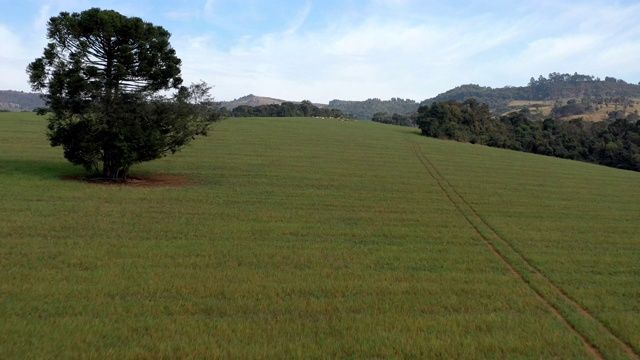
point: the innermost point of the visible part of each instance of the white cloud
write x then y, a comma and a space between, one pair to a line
597, 40
13, 61
387, 48
299, 20
40, 22
181, 14
10, 44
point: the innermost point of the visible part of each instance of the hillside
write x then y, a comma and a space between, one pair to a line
19, 101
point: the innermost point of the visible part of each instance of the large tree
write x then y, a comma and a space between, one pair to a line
101, 74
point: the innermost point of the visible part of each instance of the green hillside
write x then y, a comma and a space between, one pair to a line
310, 238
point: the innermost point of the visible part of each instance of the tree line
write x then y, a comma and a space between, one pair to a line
555, 77
396, 119
286, 109
556, 86
559, 86
611, 143
368, 108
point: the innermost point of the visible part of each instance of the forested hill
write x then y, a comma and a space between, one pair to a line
19, 101
366, 109
555, 87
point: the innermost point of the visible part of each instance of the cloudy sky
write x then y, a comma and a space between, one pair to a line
355, 49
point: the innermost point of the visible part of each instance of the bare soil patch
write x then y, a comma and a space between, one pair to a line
152, 180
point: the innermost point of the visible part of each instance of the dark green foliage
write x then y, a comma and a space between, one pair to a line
381, 117
615, 144
136, 130
454, 120
100, 74
224, 112
286, 109
396, 119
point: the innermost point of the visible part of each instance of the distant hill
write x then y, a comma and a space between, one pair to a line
253, 100
366, 109
250, 100
19, 101
557, 87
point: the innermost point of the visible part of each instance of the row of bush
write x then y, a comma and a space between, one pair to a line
286, 109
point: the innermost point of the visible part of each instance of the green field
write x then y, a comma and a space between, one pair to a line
310, 238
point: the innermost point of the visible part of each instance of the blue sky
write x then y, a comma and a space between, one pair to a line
355, 49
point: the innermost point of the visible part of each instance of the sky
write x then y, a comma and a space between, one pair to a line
321, 50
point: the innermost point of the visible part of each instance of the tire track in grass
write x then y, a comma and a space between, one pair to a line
598, 339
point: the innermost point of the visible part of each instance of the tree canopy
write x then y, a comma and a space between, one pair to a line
101, 73
286, 109
368, 108
611, 143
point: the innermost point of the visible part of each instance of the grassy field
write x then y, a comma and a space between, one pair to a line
309, 238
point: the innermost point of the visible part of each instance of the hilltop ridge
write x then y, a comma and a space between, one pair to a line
253, 100
250, 100
20, 101
555, 87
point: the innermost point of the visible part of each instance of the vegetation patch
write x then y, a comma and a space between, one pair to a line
615, 143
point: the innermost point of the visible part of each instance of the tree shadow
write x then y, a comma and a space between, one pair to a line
39, 169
